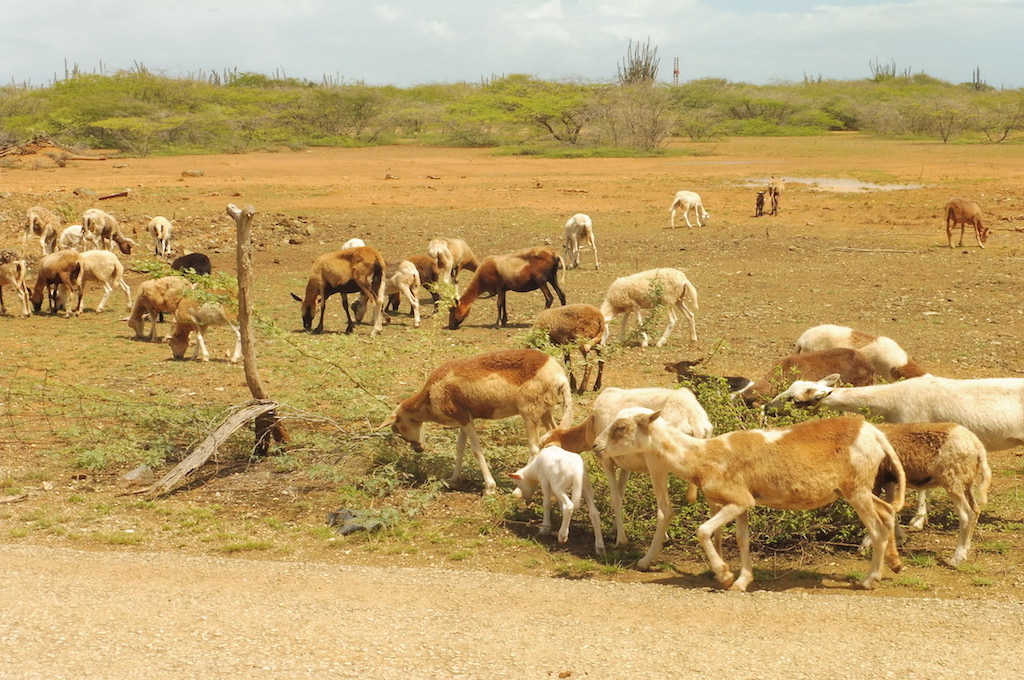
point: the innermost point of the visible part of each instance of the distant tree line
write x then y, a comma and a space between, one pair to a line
144, 113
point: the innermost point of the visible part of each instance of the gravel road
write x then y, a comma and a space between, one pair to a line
82, 615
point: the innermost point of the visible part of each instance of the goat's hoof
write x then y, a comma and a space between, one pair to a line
869, 584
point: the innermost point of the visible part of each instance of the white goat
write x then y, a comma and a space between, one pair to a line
644, 290
500, 384
12, 272
991, 408
72, 238
688, 200
889, 360
399, 278
579, 229
41, 223
943, 455
104, 267
353, 243
563, 475
194, 316
159, 228
801, 467
678, 407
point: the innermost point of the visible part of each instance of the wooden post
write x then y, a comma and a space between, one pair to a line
267, 424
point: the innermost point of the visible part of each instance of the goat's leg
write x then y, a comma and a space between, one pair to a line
568, 506
545, 492
502, 310
323, 308
567, 360
107, 290
595, 516
881, 530
977, 235
414, 300
672, 217
659, 480
201, 344
474, 443
706, 535
549, 299
690, 318
617, 478
237, 353
348, 314
968, 521
645, 339
686, 216
673, 319
963, 225
127, 292
921, 515
743, 543
949, 232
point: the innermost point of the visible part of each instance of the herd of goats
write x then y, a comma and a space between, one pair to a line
935, 432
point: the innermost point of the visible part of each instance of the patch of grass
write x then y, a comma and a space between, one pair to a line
913, 582
575, 569
251, 545
995, 547
983, 581
460, 555
922, 560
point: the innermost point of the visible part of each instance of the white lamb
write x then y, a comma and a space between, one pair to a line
160, 229
72, 238
104, 267
579, 229
563, 475
630, 294
688, 200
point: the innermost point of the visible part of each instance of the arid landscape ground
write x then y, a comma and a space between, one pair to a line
859, 241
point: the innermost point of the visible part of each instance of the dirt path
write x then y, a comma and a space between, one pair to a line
70, 614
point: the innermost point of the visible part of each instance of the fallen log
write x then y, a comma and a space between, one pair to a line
119, 194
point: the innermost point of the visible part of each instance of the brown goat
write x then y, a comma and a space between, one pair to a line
12, 271
352, 270
852, 367
889, 360
154, 297
452, 256
963, 212
45, 225
521, 272
577, 325
58, 272
195, 316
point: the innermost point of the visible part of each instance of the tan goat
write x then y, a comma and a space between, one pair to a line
452, 256
494, 385
103, 267
580, 326
963, 212
890, 361
350, 270
12, 272
43, 224
195, 316
155, 297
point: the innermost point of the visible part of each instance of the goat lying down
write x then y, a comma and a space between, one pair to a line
801, 467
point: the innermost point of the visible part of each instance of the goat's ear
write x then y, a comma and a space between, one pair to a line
387, 423
651, 417
514, 475
831, 380
295, 297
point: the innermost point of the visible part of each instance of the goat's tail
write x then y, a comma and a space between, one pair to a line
893, 466
566, 420
690, 296
986, 477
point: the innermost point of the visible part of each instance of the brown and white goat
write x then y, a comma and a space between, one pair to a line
60, 274
400, 278
678, 407
104, 267
801, 467
44, 225
452, 256
104, 228
579, 229
851, 365
494, 385
963, 212
153, 298
12, 272
890, 361
520, 272
429, 273
943, 455
351, 270
195, 316
580, 326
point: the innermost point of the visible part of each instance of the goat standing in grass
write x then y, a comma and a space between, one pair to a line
562, 475
43, 224
688, 200
579, 325
776, 185
60, 274
501, 384
452, 256
195, 316
351, 270
12, 272
802, 467
645, 290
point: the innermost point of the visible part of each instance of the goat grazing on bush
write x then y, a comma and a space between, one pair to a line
452, 256
688, 200
500, 384
12, 272
103, 267
889, 360
629, 294
579, 229
153, 298
429, 274
159, 228
103, 228
198, 263
579, 325
42, 224
400, 278
678, 407
195, 316
351, 270
520, 272
562, 475
60, 274
801, 467
963, 212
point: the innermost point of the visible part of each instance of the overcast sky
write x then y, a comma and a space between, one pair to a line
399, 42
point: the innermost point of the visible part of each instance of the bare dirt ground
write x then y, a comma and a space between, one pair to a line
875, 260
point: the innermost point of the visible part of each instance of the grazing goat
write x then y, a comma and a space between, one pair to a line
103, 228
943, 455
195, 316
577, 325
500, 384
429, 273
520, 272
629, 294
991, 408
776, 185
889, 360
563, 475
197, 262
45, 225
72, 238
759, 204
399, 278
801, 467
160, 229
153, 298
104, 267
12, 272
684, 370
452, 256
688, 200
678, 407
579, 229
60, 273
963, 212
352, 270
852, 366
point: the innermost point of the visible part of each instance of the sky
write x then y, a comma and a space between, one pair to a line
404, 43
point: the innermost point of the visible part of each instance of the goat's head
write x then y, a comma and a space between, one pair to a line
983, 234
805, 392
456, 316
405, 426
307, 311
525, 488
627, 433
